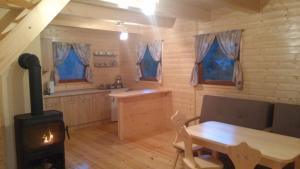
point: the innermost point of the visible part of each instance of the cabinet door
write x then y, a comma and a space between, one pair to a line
86, 109
52, 104
107, 106
99, 106
70, 110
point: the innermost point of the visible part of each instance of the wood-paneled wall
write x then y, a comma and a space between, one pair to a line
177, 62
2, 151
270, 55
128, 58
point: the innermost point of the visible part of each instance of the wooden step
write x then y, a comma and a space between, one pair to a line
10, 20
27, 29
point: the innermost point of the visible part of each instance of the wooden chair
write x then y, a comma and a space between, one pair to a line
243, 156
198, 162
179, 120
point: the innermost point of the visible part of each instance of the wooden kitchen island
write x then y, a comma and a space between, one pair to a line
143, 112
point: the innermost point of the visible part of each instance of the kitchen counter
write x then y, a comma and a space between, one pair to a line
81, 107
136, 93
75, 92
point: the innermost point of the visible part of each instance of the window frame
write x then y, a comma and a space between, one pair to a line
212, 82
73, 80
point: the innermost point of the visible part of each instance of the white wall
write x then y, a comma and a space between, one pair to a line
15, 100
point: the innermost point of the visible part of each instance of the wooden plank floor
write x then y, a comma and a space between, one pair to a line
98, 147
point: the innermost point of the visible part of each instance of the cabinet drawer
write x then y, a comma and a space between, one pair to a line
52, 104
69, 99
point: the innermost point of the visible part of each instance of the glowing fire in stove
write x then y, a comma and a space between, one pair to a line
48, 137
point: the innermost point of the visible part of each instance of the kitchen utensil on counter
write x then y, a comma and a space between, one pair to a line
102, 87
118, 82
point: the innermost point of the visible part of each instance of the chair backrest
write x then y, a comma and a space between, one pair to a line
243, 156
178, 120
188, 152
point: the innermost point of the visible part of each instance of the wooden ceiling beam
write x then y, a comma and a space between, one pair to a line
99, 12
170, 8
96, 24
180, 9
251, 6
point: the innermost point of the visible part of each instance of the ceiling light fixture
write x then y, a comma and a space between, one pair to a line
124, 32
123, 36
146, 6
123, 4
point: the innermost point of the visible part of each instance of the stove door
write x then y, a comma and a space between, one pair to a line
42, 135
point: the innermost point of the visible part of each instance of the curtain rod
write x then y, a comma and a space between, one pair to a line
219, 32
146, 41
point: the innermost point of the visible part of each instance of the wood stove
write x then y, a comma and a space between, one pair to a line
39, 135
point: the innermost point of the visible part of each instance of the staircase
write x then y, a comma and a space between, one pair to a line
16, 11
22, 23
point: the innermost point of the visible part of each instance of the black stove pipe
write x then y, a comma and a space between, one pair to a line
32, 63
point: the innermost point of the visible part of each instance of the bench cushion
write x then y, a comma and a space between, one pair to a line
241, 112
286, 119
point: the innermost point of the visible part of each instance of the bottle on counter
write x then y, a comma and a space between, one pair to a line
50, 87
51, 84
118, 82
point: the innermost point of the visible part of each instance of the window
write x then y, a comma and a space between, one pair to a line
216, 67
148, 67
72, 69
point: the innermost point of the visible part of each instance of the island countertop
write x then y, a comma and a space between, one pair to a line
135, 93
75, 92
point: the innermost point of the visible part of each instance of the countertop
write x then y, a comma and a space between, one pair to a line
135, 93
75, 92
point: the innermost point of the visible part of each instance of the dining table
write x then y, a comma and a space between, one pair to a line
276, 150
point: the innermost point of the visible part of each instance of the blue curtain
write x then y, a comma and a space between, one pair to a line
149, 68
72, 68
216, 65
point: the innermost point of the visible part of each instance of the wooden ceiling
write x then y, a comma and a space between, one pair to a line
96, 13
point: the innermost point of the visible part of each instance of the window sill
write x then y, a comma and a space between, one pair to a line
146, 82
72, 81
213, 86
74, 86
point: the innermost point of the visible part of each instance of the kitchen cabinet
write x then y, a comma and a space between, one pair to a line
81, 109
99, 101
52, 104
